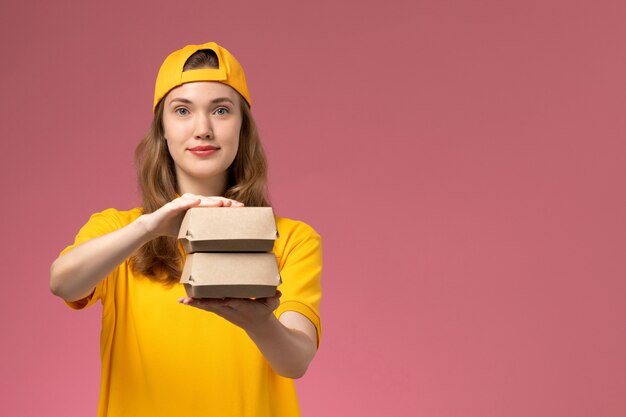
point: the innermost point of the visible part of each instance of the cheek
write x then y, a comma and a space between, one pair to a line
168, 144
233, 147
235, 143
230, 136
170, 133
174, 130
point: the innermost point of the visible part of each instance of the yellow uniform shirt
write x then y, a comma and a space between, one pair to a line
162, 358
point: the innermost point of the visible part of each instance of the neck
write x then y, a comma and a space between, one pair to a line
215, 186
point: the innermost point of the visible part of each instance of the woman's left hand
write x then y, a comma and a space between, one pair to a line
243, 312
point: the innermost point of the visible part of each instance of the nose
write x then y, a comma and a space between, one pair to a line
203, 127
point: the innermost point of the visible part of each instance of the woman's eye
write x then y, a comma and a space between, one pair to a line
221, 111
181, 111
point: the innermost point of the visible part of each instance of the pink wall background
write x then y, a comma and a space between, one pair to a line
463, 160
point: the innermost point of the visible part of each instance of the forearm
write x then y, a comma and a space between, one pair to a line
76, 273
289, 351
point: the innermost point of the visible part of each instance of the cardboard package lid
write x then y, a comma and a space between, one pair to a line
228, 229
236, 275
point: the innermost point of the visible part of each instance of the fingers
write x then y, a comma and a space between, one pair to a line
221, 307
166, 220
272, 303
211, 304
229, 301
212, 201
182, 203
242, 312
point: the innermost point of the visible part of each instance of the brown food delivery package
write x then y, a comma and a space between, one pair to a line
229, 252
228, 229
230, 275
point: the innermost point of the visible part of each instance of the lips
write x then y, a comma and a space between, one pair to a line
203, 150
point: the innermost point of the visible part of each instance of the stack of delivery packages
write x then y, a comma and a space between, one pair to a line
229, 252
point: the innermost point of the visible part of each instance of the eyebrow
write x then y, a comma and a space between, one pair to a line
214, 101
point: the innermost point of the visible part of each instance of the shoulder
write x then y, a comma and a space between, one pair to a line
104, 222
107, 221
289, 228
116, 218
295, 236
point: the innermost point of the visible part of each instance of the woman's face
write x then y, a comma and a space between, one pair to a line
202, 121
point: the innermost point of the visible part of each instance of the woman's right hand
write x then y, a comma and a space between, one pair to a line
166, 220
75, 274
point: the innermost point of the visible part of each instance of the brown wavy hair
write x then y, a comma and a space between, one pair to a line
161, 258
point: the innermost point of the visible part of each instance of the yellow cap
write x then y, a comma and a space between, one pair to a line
171, 74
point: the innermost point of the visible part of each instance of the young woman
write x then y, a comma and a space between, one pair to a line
164, 354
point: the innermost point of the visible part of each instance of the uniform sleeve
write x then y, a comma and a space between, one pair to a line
300, 265
99, 224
